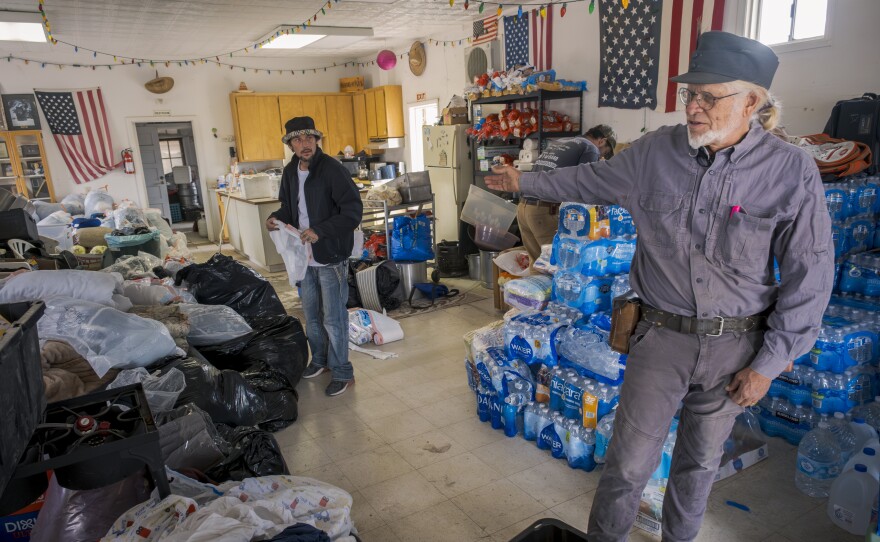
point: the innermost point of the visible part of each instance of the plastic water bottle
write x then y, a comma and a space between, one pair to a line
846, 439
484, 410
603, 437
543, 420
871, 413
530, 421
864, 432
573, 394
620, 286
557, 382
818, 462
851, 499
496, 416
581, 448
560, 425
513, 415
829, 393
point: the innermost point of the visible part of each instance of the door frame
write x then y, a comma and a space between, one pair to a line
131, 123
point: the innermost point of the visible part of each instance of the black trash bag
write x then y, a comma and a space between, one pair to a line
224, 281
277, 341
301, 532
252, 452
278, 394
225, 395
387, 283
354, 295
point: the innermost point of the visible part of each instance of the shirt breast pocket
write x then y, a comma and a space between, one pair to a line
659, 223
746, 241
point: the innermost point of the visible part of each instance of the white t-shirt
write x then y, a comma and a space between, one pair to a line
304, 211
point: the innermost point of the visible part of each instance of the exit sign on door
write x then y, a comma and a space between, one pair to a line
421, 96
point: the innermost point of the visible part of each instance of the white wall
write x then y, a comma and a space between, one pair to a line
200, 94
808, 81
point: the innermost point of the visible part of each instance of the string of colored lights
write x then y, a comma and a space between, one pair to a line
123, 60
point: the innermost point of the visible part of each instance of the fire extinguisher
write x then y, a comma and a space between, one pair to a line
127, 161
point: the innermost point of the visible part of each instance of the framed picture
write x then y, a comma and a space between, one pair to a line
21, 112
4, 151
2, 117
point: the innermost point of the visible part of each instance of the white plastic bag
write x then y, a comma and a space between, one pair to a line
161, 389
155, 220
542, 264
515, 262
213, 324
293, 251
177, 249
74, 203
97, 201
128, 216
105, 337
58, 218
145, 293
93, 286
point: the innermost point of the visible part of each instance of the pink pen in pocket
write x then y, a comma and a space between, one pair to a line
736, 209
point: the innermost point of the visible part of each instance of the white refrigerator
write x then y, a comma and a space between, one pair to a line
450, 165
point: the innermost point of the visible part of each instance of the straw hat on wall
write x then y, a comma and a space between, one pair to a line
417, 58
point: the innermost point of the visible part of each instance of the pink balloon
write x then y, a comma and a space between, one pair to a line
386, 59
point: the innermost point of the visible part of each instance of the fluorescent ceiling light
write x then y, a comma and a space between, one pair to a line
19, 26
296, 37
292, 41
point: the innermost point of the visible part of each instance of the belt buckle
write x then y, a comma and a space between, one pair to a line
720, 328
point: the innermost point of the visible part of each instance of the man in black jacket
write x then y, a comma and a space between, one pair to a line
319, 198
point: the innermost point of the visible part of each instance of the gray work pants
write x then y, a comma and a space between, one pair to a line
664, 369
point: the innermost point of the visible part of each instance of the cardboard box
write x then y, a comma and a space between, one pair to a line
455, 115
351, 84
17, 527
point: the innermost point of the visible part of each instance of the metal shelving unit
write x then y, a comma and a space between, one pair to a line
380, 215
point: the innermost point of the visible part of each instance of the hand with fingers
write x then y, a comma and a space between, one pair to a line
504, 178
748, 387
271, 224
309, 236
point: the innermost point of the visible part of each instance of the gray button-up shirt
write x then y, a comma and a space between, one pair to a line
708, 236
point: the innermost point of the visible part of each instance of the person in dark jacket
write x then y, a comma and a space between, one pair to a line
319, 198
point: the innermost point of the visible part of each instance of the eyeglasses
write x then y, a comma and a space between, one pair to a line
705, 100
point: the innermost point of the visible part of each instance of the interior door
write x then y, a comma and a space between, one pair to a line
154, 175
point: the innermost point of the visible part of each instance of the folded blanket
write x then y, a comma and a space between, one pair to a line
170, 316
61, 356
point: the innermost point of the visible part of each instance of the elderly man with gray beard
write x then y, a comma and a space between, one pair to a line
715, 201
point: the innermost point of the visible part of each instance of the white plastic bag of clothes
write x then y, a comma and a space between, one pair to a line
253, 509
97, 201
43, 209
156, 220
128, 216
515, 262
148, 293
365, 325
160, 388
106, 337
84, 285
384, 192
132, 267
74, 204
293, 251
58, 218
528, 293
177, 249
213, 324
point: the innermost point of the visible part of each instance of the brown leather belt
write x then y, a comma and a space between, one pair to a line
554, 207
712, 327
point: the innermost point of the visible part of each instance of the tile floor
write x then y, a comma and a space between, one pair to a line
406, 443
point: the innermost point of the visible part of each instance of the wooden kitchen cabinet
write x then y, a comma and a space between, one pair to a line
384, 111
340, 125
258, 127
24, 168
359, 105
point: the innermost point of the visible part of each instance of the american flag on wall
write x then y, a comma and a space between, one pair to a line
646, 44
683, 22
522, 47
485, 30
78, 121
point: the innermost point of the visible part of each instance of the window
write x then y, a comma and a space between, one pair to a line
777, 22
172, 154
420, 114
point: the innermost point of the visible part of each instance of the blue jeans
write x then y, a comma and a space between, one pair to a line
324, 292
